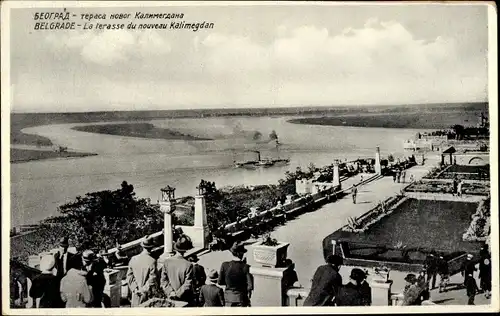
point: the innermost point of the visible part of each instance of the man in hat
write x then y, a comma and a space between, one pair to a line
366, 291
211, 295
326, 283
431, 270
176, 273
64, 259
412, 292
199, 275
142, 274
95, 276
350, 294
235, 275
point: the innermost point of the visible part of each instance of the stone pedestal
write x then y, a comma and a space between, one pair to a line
167, 208
113, 287
268, 287
381, 292
200, 229
378, 167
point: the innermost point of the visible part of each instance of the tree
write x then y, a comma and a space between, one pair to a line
273, 135
257, 135
100, 220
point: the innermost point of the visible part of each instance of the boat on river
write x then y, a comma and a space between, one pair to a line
263, 162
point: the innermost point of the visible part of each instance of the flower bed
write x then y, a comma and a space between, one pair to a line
413, 229
430, 186
362, 223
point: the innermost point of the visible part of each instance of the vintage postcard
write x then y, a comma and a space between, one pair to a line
249, 157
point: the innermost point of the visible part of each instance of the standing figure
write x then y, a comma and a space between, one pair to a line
235, 275
468, 268
326, 283
412, 292
431, 270
63, 259
212, 295
45, 287
142, 274
176, 273
485, 276
460, 187
394, 175
403, 176
366, 291
412, 178
350, 294
354, 193
75, 291
199, 276
444, 274
455, 185
398, 175
423, 284
471, 288
95, 276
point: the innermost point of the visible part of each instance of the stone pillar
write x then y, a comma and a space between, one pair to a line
113, 287
168, 236
378, 167
336, 174
167, 206
381, 292
200, 228
268, 287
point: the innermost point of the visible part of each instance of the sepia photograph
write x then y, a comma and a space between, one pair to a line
249, 157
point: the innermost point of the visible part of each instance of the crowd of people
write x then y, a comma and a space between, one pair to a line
181, 278
77, 280
69, 280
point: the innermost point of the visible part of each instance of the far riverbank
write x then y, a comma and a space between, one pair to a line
25, 155
142, 130
414, 120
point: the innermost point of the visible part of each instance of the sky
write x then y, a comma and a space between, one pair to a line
255, 56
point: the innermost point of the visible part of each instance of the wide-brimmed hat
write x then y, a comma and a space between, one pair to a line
237, 248
147, 243
88, 255
357, 275
183, 244
64, 242
411, 278
213, 275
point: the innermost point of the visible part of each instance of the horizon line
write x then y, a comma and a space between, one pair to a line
260, 107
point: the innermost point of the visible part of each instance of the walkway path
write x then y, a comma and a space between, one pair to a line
306, 232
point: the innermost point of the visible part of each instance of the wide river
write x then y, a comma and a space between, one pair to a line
39, 187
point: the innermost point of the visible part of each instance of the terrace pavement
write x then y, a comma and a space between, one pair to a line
306, 232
